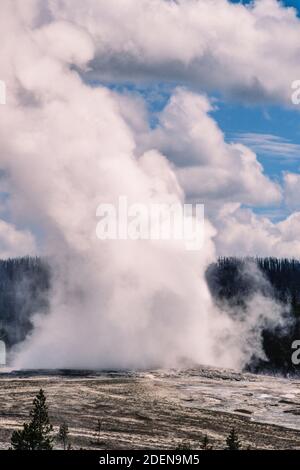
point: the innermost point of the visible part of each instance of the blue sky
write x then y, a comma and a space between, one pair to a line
274, 121
273, 132
290, 3
275, 138
268, 120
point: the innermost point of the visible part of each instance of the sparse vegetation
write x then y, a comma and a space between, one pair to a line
232, 441
98, 431
184, 445
205, 443
63, 434
37, 434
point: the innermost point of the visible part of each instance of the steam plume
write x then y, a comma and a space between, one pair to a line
66, 148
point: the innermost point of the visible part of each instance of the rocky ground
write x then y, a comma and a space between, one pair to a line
158, 409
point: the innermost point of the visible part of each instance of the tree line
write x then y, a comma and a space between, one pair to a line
25, 285
24, 289
232, 282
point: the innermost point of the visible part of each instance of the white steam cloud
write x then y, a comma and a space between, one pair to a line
67, 147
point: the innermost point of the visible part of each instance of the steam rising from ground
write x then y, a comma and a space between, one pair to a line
66, 148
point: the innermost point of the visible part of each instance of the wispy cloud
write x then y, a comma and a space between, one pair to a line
269, 145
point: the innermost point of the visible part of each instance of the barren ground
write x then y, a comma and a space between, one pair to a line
158, 409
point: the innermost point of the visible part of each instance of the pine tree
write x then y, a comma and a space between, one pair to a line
98, 431
205, 443
184, 445
232, 441
63, 434
35, 435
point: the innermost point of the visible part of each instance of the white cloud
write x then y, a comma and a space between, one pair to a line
292, 190
207, 167
240, 232
249, 52
14, 242
269, 145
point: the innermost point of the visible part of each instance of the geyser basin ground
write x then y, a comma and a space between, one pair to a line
158, 409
